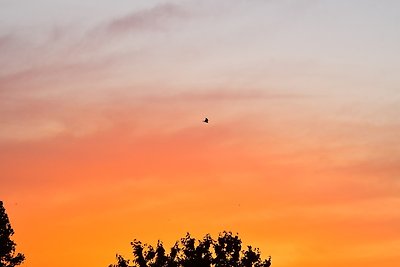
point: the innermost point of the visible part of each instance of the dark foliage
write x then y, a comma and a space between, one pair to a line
226, 251
8, 258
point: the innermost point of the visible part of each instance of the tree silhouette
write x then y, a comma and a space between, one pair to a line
226, 251
8, 258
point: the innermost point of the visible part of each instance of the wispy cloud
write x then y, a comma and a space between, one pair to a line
70, 45
214, 95
155, 19
150, 19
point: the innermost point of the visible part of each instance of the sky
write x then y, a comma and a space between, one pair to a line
102, 139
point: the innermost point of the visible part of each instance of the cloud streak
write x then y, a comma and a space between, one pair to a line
150, 19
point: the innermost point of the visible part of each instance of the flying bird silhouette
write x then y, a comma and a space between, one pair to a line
206, 120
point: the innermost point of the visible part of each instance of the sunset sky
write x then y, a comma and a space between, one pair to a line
102, 139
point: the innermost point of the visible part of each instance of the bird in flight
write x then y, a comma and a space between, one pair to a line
206, 120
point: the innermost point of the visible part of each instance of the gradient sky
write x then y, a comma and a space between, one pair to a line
101, 139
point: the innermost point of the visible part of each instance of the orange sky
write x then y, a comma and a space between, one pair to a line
102, 140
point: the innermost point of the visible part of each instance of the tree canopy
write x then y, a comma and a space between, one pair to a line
225, 251
8, 257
